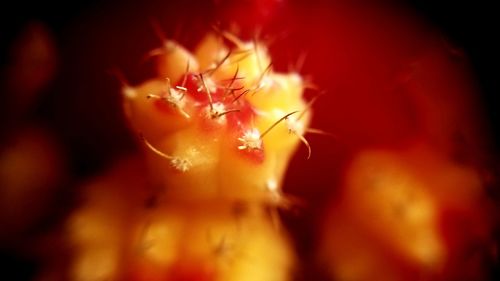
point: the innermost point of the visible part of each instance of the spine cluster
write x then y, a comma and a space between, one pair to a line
218, 128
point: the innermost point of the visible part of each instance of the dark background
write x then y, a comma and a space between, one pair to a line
470, 25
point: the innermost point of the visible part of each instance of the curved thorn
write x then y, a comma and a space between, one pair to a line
266, 70
276, 123
309, 105
233, 39
219, 64
240, 95
255, 49
227, 111
158, 30
232, 80
183, 85
118, 74
210, 101
320, 132
306, 143
154, 149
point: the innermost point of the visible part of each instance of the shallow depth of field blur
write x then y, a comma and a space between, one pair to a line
409, 95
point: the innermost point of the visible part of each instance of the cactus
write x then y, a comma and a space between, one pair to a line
217, 130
